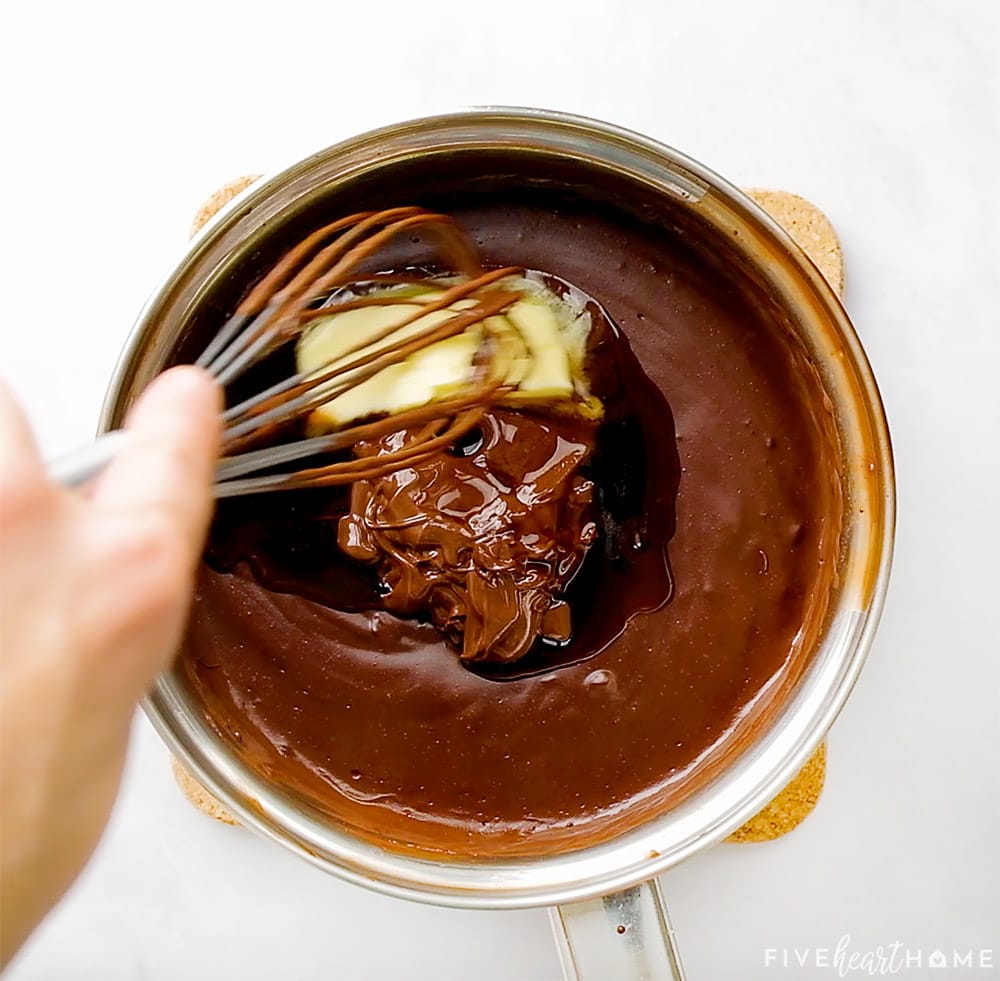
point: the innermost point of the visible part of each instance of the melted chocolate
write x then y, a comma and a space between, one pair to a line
486, 537
371, 718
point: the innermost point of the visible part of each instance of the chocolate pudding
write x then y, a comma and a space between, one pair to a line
695, 528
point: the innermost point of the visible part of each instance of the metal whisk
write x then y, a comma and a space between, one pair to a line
325, 268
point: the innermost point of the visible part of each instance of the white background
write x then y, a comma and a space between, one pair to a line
118, 119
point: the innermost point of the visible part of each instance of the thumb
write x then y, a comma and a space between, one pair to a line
168, 463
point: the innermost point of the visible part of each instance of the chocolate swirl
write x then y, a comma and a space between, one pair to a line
484, 538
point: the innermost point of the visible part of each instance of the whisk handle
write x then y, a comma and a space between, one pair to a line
79, 466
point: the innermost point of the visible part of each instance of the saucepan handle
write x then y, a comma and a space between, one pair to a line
626, 936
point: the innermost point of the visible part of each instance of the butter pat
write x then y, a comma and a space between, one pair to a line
531, 348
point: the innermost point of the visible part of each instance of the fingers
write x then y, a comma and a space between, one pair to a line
22, 475
166, 469
17, 444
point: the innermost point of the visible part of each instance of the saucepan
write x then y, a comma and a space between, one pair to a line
608, 913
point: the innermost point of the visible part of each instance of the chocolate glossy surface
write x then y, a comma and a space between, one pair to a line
483, 539
373, 719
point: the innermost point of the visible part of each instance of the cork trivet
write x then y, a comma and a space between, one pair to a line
198, 795
219, 200
815, 235
791, 807
809, 227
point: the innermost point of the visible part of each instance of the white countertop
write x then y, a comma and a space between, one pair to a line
120, 118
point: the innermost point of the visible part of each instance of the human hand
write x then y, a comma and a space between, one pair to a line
94, 591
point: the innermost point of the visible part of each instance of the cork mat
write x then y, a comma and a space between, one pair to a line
815, 235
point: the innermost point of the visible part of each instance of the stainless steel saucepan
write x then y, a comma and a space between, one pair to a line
607, 910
